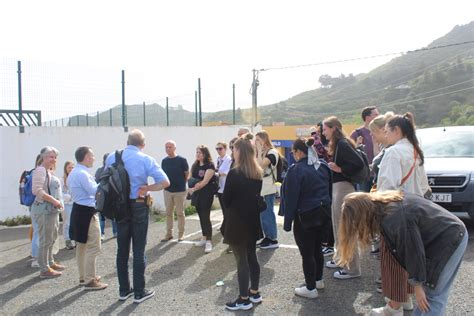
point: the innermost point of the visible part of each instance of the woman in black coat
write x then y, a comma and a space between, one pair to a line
241, 227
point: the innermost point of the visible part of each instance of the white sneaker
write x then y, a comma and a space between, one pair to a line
200, 243
320, 284
208, 247
407, 306
386, 311
331, 264
304, 292
35, 264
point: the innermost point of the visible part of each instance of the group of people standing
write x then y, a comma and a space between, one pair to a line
319, 204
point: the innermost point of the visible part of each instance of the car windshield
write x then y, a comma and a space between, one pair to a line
449, 143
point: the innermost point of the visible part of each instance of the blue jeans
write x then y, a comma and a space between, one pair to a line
132, 230
268, 218
35, 239
102, 225
438, 297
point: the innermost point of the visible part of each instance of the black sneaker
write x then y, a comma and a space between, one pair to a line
327, 251
255, 298
239, 304
124, 295
269, 244
144, 296
375, 252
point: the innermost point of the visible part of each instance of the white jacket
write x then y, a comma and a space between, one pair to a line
396, 164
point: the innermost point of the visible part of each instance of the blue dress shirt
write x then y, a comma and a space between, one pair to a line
139, 166
82, 186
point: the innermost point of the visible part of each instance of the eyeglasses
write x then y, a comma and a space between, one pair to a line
219, 148
231, 147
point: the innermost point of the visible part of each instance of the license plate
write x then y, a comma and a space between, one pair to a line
441, 197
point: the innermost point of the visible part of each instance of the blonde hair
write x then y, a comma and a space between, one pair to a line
360, 221
247, 163
267, 143
380, 121
65, 174
223, 144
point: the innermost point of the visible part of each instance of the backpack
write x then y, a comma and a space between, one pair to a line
113, 192
363, 175
26, 188
281, 169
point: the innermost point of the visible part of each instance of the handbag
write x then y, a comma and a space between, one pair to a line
261, 204
315, 218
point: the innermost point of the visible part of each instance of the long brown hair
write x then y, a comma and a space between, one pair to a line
247, 163
267, 142
406, 123
360, 221
338, 134
207, 157
65, 174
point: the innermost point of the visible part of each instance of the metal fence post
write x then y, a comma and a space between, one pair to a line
196, 107
199, 98
98, 123
20, 104
77, 120
233, 104
110, 116
124, 110
87, 119
144, 114
167, 113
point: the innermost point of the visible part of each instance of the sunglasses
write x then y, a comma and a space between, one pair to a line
219, 148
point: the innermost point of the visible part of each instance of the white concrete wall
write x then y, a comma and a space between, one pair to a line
18, 151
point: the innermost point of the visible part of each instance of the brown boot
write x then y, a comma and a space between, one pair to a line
95, 285
50, 274
82, 282
57, 267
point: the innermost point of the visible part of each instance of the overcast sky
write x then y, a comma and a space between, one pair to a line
73, 52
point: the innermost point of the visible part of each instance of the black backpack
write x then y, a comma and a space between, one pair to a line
113, 192
281, 169
363, 175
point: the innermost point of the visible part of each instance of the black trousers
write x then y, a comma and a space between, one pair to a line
309, 245
328, 235
203, 208
247, 267
220, 196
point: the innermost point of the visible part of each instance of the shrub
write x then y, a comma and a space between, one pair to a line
16, 221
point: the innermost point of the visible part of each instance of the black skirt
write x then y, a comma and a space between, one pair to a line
80, 220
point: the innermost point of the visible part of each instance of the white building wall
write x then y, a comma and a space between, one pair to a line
18, 151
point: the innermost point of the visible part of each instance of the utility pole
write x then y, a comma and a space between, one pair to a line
254, 97
124, 110
196, 107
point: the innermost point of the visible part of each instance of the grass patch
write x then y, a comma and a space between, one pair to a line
16, 221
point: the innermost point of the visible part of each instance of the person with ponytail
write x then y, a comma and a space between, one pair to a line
306, 204
401, 168
345, 163
424, 238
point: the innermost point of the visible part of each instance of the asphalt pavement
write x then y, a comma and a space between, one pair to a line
185, 278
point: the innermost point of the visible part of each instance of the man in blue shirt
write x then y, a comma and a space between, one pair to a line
134, 229
84, 228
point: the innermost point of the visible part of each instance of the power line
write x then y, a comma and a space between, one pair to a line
367, 57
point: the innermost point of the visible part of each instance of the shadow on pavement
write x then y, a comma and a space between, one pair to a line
7, 296
55, 303
16, 270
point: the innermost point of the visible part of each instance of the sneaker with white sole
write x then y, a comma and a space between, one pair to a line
208, 247
255, 298
35, 264
124, 295
344, 275
386, 311
320, 284
331, 264
144, 296
200, 243
407, 306
327, 251
239, 304
304, 292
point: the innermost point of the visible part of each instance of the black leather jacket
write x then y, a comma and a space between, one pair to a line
422, 236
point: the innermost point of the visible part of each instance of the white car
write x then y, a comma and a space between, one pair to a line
449, 164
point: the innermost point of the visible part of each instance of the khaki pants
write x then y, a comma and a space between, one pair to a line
87, 253
339, 191
172, 200
48, 233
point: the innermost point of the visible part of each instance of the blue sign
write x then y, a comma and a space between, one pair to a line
282, 143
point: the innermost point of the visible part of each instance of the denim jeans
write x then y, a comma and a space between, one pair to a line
132, 230
35, 239
268, 218
438, 297
102, 225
